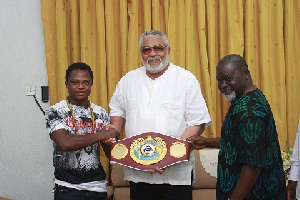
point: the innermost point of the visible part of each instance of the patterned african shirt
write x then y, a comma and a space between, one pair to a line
249, 137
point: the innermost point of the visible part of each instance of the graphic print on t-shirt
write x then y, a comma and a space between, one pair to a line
82, 164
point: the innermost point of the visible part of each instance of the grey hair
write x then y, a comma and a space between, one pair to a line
234, 59
154, 33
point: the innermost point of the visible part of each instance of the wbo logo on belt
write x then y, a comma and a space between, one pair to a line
149, 150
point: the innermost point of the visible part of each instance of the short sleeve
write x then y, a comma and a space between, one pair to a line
196, 112
54, 120
102, 116
116, 103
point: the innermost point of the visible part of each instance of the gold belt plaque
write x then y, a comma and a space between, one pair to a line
178, 150
149, 150
119, 151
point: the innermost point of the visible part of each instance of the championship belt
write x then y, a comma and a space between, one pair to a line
149, 150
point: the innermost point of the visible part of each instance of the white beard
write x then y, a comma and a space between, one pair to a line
230, 97
157, 68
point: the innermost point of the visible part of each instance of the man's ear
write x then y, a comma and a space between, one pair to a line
246, 71
66, 83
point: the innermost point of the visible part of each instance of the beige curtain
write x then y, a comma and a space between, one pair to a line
105, 35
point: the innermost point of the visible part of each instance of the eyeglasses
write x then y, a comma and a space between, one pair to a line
146, 50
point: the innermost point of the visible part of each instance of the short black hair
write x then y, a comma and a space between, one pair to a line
236, 60
79, 65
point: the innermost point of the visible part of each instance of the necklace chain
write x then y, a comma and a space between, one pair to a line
74, 119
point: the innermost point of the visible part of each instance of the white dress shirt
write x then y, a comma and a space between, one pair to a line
294, 172
169, 105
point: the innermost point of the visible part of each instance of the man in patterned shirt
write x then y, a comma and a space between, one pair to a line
249, 162
76, 127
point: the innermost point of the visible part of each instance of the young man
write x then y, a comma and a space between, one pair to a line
76, 127
249, 162
164, 98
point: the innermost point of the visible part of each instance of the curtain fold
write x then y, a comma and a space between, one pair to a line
105, 34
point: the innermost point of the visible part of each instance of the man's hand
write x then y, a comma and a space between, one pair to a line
109, 141
110, 134
198, 142
291, 190
158, 170
109, 126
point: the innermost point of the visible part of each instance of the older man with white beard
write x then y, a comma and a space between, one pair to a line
163, 98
